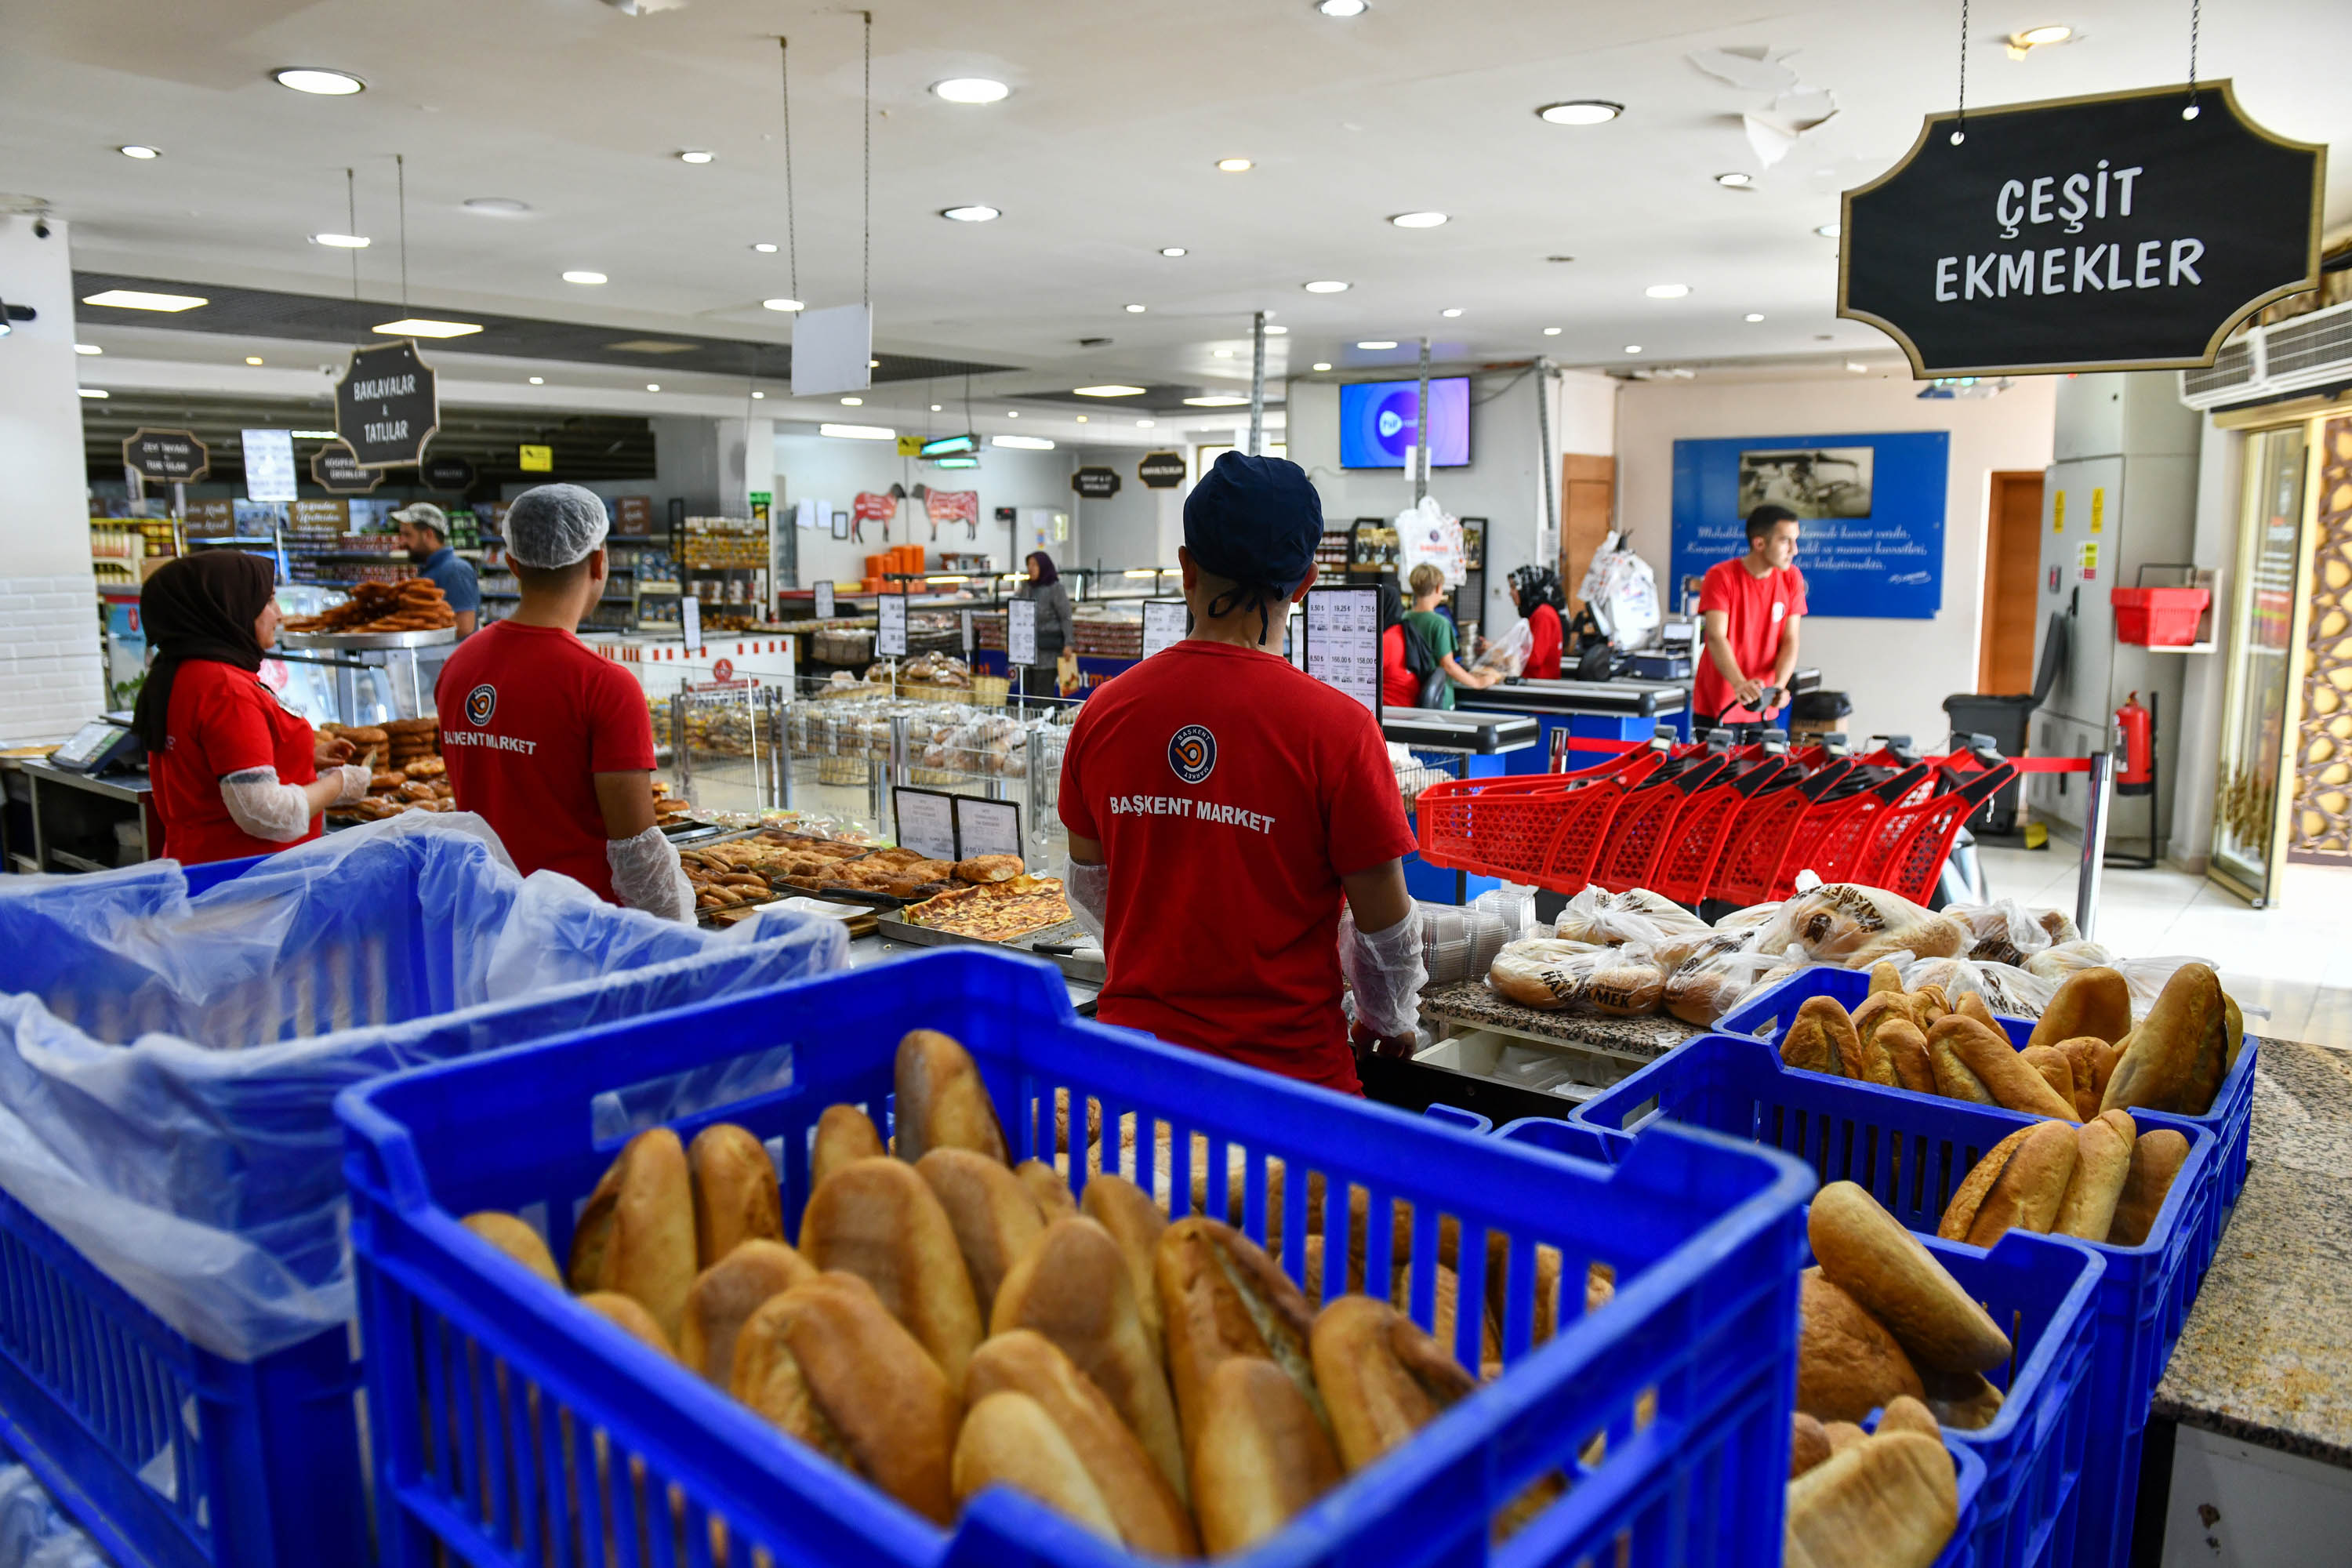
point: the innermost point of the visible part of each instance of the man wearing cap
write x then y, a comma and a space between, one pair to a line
547, 740
1235, 833
425, 534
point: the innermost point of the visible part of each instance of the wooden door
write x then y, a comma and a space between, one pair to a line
1588, 487
2013, 560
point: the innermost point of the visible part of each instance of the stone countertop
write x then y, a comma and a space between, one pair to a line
2266, 1354
1474, 1002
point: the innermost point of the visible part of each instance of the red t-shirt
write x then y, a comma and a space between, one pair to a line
528, 716
1543, 656
1400, 687
1758, 608
223, 720
1231, 791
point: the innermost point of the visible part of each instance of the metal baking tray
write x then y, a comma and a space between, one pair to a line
365, 642
1085, 971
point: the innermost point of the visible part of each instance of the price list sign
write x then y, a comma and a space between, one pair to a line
926, 822
1343, 641
1020, 633
890, 627
1163, 624
824, 598
986, 828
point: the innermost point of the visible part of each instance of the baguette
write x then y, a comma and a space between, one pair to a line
880, 1221
2025, 1189
842, 1133
1382, 1378
735, 1193
1223, 1298
636, 1234
1045, 1185
942, 1103
2177, 1055
2057, 1070
1965, 1402
1954, 1079
2013, 1082
995, 1218
2103, 1157
1821, 1037
1136, 1224
1073, 1287
1890, 1502
2156, 1158
725, 1295
1906, 1414
1809, 1444
1009, 1440
629, 1315
1848, 1364
1844, 1435
517, 1240
2094, 1001
1260, 1454
2093, 1061
1906, 1054
1882, 1266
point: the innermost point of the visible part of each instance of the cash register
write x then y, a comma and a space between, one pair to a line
103, 746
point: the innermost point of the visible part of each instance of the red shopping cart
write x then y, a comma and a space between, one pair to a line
1511, 827
1704, 830
1649, 818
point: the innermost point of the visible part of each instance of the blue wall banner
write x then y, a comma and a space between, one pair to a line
1872, 507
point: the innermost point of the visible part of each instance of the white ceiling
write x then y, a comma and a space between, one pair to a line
1103, 153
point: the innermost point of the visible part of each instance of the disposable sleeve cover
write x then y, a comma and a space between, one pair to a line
1089, 889
646, 875
265, 808
1385, 969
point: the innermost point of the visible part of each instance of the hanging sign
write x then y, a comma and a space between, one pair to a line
269, 464
2105, 233
166, 457
890, 625
1096, 484
823, 598
387, 406
535, 460
448, 474
332, 467
910, 446
689, 621
1162, 470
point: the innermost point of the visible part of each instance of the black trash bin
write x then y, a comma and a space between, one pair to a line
2005, 720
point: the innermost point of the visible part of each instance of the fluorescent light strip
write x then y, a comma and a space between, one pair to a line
140, 299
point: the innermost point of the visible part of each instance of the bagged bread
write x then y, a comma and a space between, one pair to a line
2004, 931
1611, 920
1846, 924
1553, 974
2007, 989
2062, 959
1713, 973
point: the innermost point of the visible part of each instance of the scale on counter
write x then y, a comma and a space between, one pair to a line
102, 744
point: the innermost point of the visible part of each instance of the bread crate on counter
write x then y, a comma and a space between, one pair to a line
1666, 1410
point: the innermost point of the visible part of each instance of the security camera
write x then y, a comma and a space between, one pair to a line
40, 229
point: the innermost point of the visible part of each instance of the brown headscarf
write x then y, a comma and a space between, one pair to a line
198, 606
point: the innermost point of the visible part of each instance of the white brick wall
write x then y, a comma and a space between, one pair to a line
51, 675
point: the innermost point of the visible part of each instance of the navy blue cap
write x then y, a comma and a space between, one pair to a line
1255, 520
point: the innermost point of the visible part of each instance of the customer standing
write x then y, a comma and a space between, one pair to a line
1054, 624
234, 773
425, 534
1537, 590
1750, 608
1436, 633
548, 741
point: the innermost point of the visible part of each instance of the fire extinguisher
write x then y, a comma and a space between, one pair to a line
2135, 725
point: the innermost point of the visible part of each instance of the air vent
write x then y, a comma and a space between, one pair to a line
2308, 343
2232, 368
2295, 355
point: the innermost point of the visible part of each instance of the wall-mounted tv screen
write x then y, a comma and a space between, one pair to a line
1377, 422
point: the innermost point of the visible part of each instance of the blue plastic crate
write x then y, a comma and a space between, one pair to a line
1853, 1131
1704, 1233
171, 1454
2231, 1120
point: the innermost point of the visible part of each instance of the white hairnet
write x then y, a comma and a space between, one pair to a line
554, 525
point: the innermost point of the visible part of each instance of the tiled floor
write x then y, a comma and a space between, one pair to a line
2294, 958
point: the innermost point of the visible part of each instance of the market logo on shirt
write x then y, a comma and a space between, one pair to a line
480, 703
1192, 753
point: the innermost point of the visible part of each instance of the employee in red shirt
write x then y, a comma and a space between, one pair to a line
235, 774
1750, 608
1400, 687
550, 742
1235, 834
1538, 594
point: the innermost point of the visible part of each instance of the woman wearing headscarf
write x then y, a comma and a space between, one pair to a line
1055, 618
1535, 590
234, 773
1400, 686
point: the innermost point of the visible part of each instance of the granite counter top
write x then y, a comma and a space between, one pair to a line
1474, 1002
2266, 1354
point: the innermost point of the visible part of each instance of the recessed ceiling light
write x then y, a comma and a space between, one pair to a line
1581, 111
1633, 348
1830, 230
1221, 353
424, 327
1143, 424
653, 386
935, 408
139, 151
1320, 364
1551, 332
91, 391
695, 155
763, 247
1082, 418
1135, 310
2032, 37
314, 80
852, 403
971, 89
341, 241
1273, 331
140, 299
1857, 367
975, 212
88, 349
253, 359
1325, 286
1666, 290
1418, 220
1341, 8
1023, 443
873, 364
1451, 312
315, 435
584, 277
1753, 315
1736, 180
783, 305
1234, 165
858, 432
1109, 391
1215, 400
1376, 344
497, 207
1013, 413
1172, 251
539, 381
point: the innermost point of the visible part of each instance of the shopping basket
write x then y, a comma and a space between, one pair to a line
175, 1353
1912, 1151
1703, 1232
1516, 827
1909, 843
1757, 837
1645, 821
1686, 867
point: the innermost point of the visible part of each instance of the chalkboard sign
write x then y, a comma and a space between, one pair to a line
387, 406
1870, 512
333, 468
1096, 484
2106, 233
166, 457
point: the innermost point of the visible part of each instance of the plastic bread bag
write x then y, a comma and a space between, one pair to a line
1555, 976
1753, 918
2060, 960
2004, 931
2147, 978
2007, 989
1508, 653
1715, 975
1846, 924
2056, 924
1637, 914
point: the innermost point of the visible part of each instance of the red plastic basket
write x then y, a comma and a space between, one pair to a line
1702, 831
1759, 835
1911, 842
1508, 827
1645, 821
2159, 617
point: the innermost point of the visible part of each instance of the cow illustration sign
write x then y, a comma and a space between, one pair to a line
387, 406
2108, 233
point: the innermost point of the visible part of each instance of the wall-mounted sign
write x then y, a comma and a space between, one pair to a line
633, 516
536, 459
910, 446
874, 506
332, 467
1165, 622
387, 406
2103, 232
1096, 484
1162, 470
1343, 641
269, 464
166, 457
446, 474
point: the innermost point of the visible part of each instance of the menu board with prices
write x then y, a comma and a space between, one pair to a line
824, 598
890, 627
1343, 641
1020, 633
269, 464
986, 828
925, 821
689, 611
1164, 623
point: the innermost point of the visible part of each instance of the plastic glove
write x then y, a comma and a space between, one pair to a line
1088, 890
646, 876
1385, 969
355, 784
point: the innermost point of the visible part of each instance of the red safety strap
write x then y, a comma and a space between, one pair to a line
2022, 765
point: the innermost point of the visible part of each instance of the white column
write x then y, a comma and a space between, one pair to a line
50, 679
